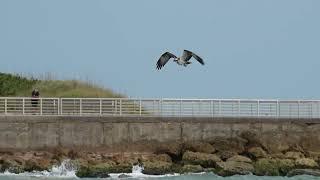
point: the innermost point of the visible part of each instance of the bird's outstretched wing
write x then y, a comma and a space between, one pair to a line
164, 59
188, 54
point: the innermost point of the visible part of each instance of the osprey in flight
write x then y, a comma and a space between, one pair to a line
183, 60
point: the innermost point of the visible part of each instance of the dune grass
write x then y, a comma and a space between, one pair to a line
72, 88
16, 85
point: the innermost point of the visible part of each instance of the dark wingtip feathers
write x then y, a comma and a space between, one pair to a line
159, 65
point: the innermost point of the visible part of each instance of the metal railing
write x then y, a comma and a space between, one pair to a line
159, 107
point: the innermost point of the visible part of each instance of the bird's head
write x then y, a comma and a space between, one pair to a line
176, 59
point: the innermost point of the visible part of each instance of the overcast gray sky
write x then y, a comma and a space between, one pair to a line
252, 49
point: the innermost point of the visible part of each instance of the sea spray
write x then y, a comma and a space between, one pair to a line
137, 169
136, 173
65, 169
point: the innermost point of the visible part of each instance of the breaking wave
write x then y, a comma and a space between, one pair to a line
65, 170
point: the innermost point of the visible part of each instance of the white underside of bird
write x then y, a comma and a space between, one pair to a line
181, 62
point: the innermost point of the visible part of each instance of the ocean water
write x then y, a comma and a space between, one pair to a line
66, 172
177, 177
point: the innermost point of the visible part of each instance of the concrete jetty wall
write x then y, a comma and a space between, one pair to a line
149, 133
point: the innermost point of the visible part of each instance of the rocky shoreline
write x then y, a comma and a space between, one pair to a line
224, 157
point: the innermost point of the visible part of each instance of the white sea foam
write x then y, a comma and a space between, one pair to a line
137, 173
65, 170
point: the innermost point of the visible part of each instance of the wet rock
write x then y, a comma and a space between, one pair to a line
314, 155
306, 163
285, 165
159, 157
275, 141
257, 152
293, 155
202, 147
72, 154
124, 176
156, 168
130, 158
122, 168
60, 153
236, 145
176, 168
230, 168
94, 174
191, 169
277, 155
40, 154
172, 149
266, 167
273, 167
85, 169
235, 165
224, 155
79, 162
37, 165
311, 172
12, 166
93, 157
99, 170
239, 158
203, 159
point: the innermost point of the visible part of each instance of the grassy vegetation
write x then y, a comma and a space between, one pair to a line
16, 85
12, 85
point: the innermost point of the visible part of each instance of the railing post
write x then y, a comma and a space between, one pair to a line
140, 107
317, 109
220, 107
258, 108
120, 108
160, 106
311, 111
239, 108
180, 107
114, 106
5, 106
153, 107
298, 108
278, 109
80, 101
198, 107
192, 108
100, 107
40, 106
61, 106
23, 104
211, 107
58, 106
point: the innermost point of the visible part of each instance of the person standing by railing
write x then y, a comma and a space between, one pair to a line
34, 100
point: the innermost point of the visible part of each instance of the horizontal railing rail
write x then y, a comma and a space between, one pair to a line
166, 107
